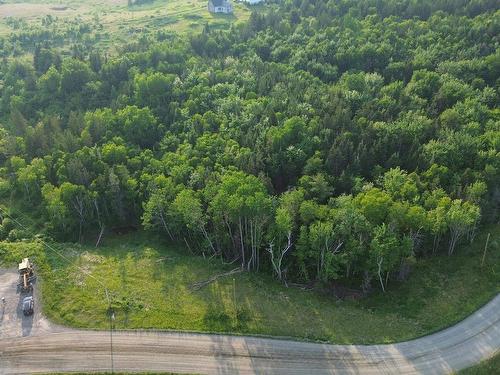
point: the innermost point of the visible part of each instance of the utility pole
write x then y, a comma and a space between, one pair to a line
111, 319
234, 300
110, 309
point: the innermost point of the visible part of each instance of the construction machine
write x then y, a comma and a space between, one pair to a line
26, 275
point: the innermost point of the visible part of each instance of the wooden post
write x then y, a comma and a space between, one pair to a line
485, 248
234, 300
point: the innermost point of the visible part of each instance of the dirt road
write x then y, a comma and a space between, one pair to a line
462, 345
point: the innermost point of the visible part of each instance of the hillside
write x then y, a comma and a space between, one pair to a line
346, 148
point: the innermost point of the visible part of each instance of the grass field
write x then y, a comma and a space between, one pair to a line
120, 20
150, 286
488, 367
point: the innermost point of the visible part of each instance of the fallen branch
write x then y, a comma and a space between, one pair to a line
231, 262
99, 238
308, 286
200, 284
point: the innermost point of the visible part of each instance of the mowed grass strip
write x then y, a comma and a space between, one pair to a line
150, 287
488, 367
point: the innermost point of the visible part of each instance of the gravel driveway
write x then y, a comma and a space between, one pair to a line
13, 323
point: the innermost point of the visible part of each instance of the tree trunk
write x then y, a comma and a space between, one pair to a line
379, 263
366, 284
231, 237
455, 235
166, 226
437, 239
99, 238
205, 234
187, 244
242, 245
250, 264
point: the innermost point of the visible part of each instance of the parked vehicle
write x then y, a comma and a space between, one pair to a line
28, 305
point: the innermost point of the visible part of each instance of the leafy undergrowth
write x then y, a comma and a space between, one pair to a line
150, 287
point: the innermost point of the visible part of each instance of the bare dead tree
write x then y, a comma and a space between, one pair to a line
277, 260
379, 271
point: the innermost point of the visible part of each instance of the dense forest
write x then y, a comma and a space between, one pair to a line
331, 141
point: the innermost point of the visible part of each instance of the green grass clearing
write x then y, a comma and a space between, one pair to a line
150, 288
488, 367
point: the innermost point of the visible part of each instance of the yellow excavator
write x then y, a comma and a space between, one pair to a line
26, 274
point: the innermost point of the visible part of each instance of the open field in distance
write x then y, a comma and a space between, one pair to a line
118, 19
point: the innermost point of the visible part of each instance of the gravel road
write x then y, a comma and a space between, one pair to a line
53, 349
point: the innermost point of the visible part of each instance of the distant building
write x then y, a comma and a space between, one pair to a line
220, 6
252, 2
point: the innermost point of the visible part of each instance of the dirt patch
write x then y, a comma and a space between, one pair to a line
27, 10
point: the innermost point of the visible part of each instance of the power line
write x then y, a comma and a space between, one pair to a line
106, 291
50, 247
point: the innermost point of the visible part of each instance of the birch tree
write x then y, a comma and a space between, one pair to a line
240, 203
285, 222
386, 252
461, 217
281, 244
56, 209
157, 208
77, 199
189, 208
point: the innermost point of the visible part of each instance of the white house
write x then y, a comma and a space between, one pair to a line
252, 2
220, 6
